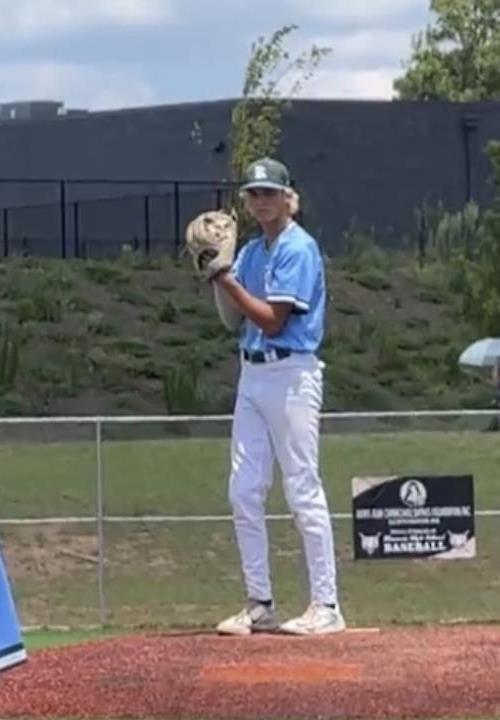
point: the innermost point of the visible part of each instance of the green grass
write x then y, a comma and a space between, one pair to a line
39, 639
188, 476
186, 574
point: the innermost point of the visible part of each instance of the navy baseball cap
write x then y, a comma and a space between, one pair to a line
266, 173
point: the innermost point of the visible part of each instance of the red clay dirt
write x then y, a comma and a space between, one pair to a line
423, 672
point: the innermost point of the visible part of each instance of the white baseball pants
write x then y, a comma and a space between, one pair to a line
277, 417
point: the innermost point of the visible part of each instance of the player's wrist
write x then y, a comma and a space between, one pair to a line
224, 278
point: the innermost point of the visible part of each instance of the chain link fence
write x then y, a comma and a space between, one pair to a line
125, 521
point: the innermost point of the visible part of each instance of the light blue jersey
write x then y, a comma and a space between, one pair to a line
290, 270
12, 651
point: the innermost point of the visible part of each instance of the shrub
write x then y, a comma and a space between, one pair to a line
9, 359
372, 278
167, 312
362, 252
105, 273
181, 391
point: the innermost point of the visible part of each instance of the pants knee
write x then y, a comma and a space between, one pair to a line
306, 498
244, 499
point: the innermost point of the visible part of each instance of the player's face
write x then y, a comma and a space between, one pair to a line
266, 204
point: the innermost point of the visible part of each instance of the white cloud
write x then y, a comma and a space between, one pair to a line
373, 84
360, 49
365, 11
363, 64
35, 18
81, 86
364, 47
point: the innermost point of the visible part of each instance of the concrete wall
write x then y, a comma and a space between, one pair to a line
372, 162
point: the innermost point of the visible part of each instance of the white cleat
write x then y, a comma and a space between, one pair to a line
254, 618
318, 619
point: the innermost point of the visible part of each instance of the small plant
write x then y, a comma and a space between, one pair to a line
134, 347
389, 356
167, 312
79, 304
25, 310
373, 278
361, 251
9, 359
96, 324
132, 296
107, 273
181, 387
211, 330
366, 329
442, 235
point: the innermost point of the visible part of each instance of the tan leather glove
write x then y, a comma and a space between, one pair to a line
211, 241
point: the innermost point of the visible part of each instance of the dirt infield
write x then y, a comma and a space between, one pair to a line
393, 673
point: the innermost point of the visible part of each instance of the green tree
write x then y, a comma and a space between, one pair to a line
456, 57
273, 77
483, 304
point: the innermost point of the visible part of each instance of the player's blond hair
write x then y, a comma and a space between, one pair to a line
293, 200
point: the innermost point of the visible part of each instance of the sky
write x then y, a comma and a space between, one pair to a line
110, 54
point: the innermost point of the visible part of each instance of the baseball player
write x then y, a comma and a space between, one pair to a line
274, 293
12, 651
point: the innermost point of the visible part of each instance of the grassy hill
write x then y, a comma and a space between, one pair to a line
100, 337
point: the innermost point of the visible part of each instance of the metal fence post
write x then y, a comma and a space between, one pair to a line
470, 123
147, 226
6, 232
177, 219
100, 524
76, 228
62, 207
218, 198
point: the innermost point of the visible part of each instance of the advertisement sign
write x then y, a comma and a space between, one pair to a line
413, 516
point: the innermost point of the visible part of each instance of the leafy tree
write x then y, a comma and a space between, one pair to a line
456, 57
273, 76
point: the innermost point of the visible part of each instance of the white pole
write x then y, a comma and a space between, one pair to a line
100, 524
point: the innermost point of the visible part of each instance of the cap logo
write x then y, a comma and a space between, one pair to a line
260, 172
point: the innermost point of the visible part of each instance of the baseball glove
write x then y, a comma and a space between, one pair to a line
211, 241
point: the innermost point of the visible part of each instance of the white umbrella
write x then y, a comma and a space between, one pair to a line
482, 353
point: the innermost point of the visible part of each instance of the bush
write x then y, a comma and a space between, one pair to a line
440, 235
42, 304
389, 356
9, 359
96, 324
372, 278
168, 312
105, 273
361, 252
181, 388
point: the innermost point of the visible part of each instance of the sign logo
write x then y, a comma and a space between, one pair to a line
413, 493
370, 543
458, 540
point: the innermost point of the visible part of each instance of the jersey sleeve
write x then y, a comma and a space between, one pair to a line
292, 277
238, 268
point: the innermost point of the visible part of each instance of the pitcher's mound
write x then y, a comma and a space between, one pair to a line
395, 673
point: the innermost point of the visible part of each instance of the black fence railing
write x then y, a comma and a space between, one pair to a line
98, 218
